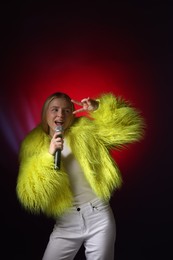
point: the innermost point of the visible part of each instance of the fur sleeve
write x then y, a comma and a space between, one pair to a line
118, 123
38, 183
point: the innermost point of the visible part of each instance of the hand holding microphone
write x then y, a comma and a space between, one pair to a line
59, 130
56, 146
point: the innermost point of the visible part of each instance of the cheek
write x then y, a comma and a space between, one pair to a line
49, 118
69, 120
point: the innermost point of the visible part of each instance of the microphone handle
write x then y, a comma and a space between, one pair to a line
58, 159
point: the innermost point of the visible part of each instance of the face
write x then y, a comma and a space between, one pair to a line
59, 113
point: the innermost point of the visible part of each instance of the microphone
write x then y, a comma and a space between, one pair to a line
57, 161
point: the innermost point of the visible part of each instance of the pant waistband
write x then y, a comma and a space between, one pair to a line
92, 203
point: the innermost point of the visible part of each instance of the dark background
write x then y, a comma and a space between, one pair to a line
132, 43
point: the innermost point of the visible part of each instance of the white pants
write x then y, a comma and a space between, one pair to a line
92, 225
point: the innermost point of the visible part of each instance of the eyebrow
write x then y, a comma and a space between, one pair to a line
69, 107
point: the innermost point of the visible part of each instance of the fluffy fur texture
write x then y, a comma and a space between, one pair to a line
41, 188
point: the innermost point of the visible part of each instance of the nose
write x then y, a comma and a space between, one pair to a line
60, 113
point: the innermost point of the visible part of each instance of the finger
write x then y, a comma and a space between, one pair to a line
85, 99
76, 102
78, 110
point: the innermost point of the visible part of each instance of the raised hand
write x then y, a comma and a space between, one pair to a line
87, 104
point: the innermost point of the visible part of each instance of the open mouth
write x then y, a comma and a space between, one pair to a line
59, 126
59, 123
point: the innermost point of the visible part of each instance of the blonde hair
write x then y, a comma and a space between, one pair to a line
62, 95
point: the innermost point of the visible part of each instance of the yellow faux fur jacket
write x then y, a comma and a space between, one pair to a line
41, 188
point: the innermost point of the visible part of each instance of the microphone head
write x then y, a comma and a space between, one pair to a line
59, 128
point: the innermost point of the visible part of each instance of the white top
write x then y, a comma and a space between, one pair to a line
80, 186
